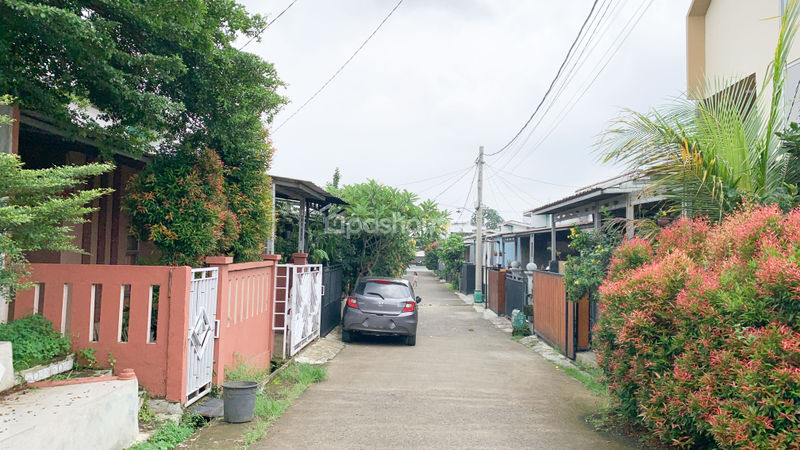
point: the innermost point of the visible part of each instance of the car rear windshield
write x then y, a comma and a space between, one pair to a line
386, 290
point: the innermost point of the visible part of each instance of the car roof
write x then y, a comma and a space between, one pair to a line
393, 280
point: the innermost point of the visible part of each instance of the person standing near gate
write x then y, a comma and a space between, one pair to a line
416, 277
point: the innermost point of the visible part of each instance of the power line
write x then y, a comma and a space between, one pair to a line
450, 186
314, 95
576, 98
531, 179
267, 26
594, 28
434, 178
447, 180
552, 83
469, 191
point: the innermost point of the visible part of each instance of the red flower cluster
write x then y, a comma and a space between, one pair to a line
699, 334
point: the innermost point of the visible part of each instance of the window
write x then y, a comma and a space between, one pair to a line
385, 290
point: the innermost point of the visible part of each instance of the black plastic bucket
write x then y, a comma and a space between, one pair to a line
239, 400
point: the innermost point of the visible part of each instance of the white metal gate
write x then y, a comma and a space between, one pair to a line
202, 331
302, 295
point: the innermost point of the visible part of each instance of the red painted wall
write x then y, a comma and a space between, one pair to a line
161, 365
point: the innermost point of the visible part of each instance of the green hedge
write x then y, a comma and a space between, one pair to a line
34, 341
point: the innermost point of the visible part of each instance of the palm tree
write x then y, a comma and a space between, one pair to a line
708, 156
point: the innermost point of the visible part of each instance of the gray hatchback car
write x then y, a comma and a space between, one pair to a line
381, 306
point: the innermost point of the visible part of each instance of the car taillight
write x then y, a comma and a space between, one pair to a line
409, 307
352, 302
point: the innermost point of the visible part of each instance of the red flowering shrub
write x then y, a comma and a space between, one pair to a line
178, 203
699, 335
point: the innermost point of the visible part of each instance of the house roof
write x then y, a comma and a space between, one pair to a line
622, 184
296, 189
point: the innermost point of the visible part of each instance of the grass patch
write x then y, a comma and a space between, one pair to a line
588, 375
170, 434
279, 394
244, 372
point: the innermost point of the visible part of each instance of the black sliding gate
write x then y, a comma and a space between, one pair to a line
331, 311
516, 291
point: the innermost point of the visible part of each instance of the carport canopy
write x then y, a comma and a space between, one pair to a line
308, 196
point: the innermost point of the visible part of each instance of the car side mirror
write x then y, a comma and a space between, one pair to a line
419, 299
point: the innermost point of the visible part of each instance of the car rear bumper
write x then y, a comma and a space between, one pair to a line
357, 320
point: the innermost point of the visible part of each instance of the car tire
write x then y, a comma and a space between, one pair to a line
347, 336
411, 340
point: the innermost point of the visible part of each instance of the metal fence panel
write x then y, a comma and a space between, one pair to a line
516, 291
467, 282
331, 314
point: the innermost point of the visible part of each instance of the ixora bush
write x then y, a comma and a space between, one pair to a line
33, 340
178, 203
699, 335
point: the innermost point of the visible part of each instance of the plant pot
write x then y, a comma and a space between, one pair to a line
239, 400
663, 221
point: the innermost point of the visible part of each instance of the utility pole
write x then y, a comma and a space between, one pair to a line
478, 295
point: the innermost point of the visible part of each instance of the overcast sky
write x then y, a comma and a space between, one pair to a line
443, 77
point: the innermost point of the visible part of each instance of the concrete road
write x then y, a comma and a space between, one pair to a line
465, 384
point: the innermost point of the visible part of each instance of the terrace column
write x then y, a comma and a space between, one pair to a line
552, 237
301, 229
629, 225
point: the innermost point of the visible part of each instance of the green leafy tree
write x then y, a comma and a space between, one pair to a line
491, 218
38, 211
451, 252
711, 155
586, 271
178, 203
377, 232
158, 71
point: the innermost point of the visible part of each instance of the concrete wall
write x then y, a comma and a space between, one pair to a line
245, 305
6, 366
66, 293
101, 415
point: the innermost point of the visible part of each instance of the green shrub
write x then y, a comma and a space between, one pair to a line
178, 202
586, 270
699, 337
34, 341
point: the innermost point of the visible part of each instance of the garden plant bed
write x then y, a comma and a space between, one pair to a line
44, 371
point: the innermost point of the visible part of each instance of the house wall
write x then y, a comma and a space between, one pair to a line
731, 39
105, 237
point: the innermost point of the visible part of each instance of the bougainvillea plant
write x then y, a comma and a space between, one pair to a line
699, 335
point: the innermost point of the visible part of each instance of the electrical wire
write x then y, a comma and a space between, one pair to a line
552, 83
434, 178
574, 70
449, 186
324, 85
267, 26
536, 180
469, 192
447, 180
578, 96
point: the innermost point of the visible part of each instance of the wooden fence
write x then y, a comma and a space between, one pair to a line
561, 323
495, 290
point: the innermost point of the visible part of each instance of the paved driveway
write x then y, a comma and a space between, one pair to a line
464, 385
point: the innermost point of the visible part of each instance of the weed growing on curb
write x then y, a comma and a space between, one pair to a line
279, 394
